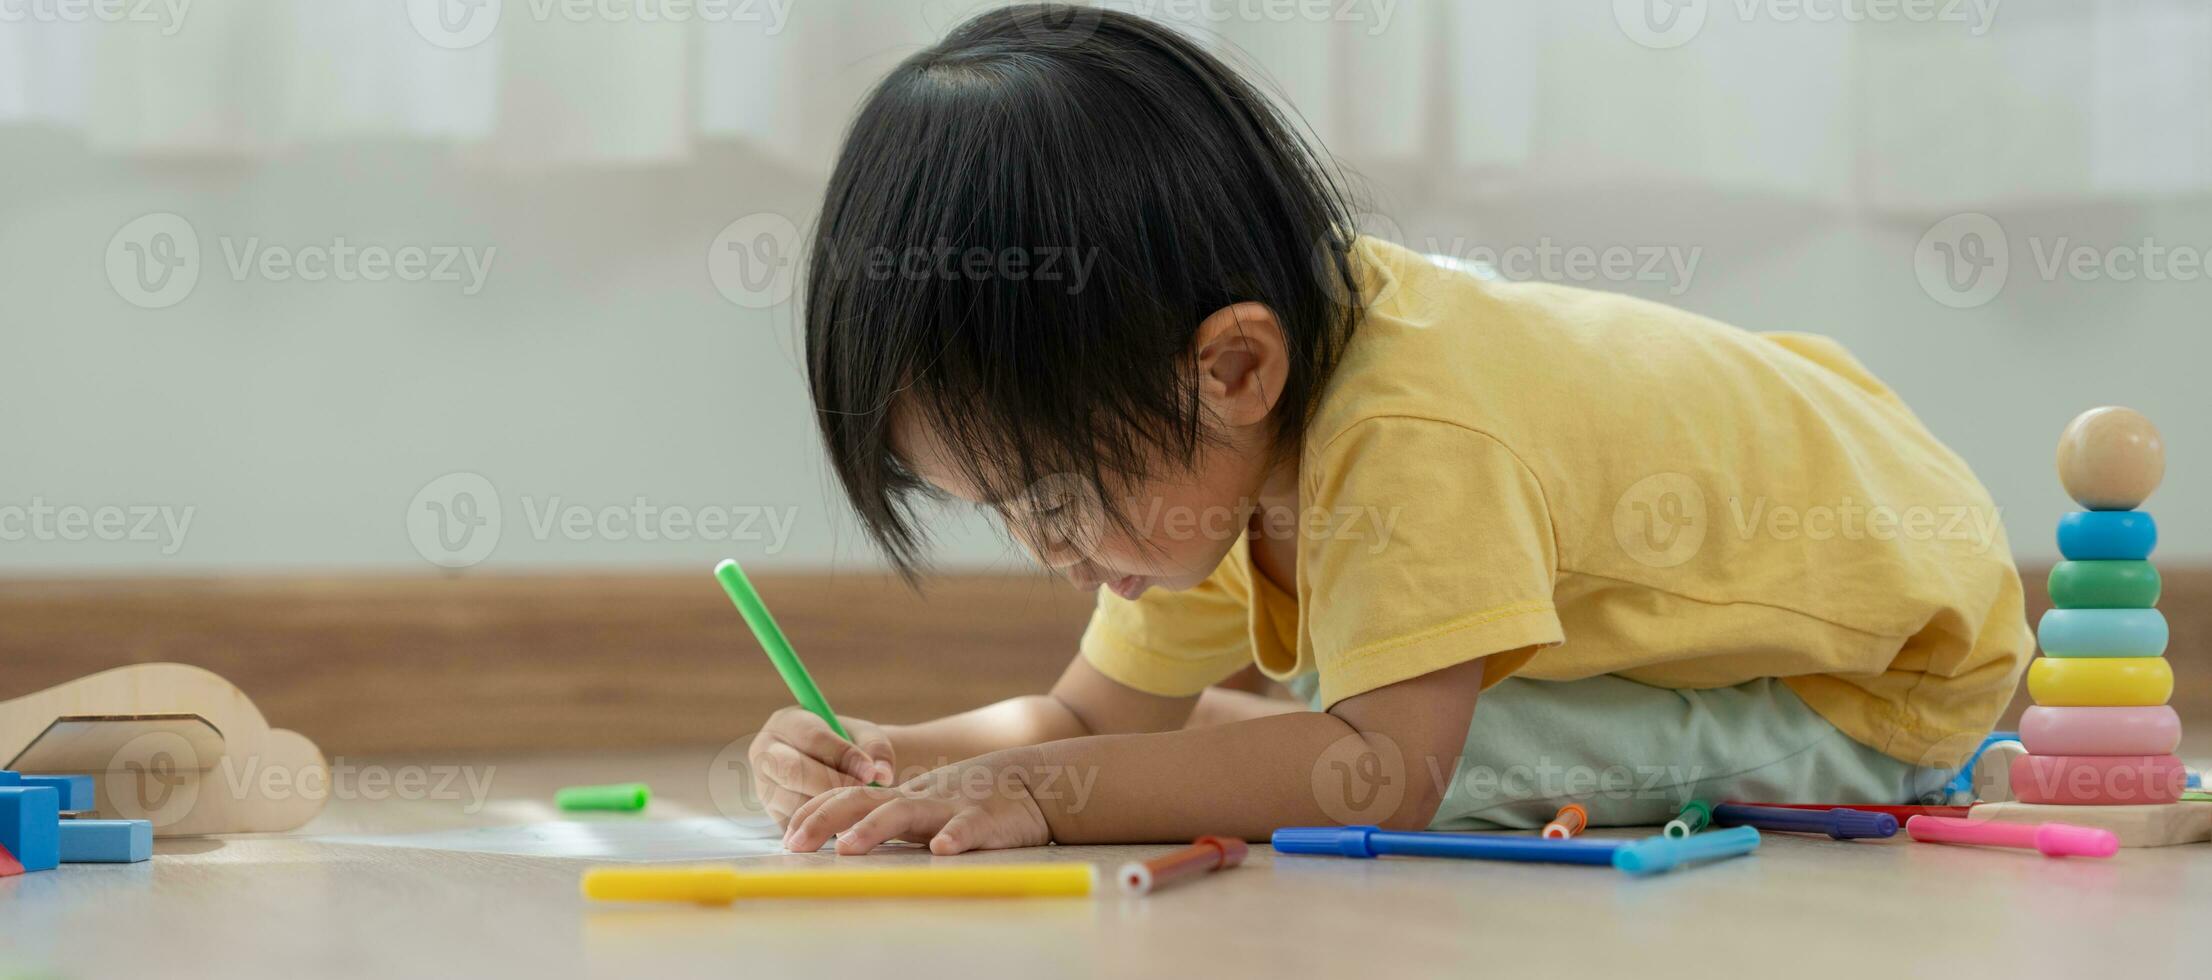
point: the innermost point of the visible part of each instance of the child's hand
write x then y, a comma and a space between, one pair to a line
797, 758
972, 805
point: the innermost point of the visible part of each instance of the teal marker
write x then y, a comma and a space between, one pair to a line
779, 649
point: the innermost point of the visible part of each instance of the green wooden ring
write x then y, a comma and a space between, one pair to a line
2104, 585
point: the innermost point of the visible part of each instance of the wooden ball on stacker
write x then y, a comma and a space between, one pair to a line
2111, 458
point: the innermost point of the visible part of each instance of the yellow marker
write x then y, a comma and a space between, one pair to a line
721, 885
2100, 682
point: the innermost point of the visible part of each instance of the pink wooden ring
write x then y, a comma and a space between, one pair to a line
2098, 780
2100, 731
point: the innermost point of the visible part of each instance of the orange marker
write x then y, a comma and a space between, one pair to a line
1568, 822
1208, 853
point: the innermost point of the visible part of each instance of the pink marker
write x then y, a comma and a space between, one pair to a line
2053, 839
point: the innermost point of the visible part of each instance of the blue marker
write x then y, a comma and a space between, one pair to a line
1840, 823
1632, 857
1367, 842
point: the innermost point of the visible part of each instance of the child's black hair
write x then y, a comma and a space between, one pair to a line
1026, 225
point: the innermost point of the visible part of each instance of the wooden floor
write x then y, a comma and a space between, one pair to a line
296, 906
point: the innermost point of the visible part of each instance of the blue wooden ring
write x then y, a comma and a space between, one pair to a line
2102, 633
2107, 535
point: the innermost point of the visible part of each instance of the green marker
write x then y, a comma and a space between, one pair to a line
621, 796
779, 649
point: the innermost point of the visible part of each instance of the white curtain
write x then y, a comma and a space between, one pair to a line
1982, 103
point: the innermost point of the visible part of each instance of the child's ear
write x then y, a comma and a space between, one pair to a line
1242, 363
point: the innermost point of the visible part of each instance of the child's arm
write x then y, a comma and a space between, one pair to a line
1384, 757
797, 756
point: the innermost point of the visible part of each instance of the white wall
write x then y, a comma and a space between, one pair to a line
296, 423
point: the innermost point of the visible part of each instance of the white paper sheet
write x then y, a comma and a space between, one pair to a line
690, 839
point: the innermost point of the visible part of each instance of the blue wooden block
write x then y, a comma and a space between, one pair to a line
30, 817
8, 777
106, 841
76, 791
2107, 535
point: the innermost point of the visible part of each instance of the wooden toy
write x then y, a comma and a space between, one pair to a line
75, 791
2141, 730
2102, 632
2143, 825
2098, 780
2111, 458
9, 866
29, 816
106, 841
2100, 682
2100, 737
2105, 585
2107, 535
174, 745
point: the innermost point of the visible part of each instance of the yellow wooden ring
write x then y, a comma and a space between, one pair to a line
2104, 682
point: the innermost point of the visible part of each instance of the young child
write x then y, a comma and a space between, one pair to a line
1519, 544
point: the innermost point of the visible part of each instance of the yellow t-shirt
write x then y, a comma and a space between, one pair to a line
1628, 489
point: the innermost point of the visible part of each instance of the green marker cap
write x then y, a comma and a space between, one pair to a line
1696, 815
619, 796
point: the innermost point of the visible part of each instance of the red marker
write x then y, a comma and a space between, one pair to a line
1900, 812
1208, 853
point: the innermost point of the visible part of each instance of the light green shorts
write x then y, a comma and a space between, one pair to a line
1632, 754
